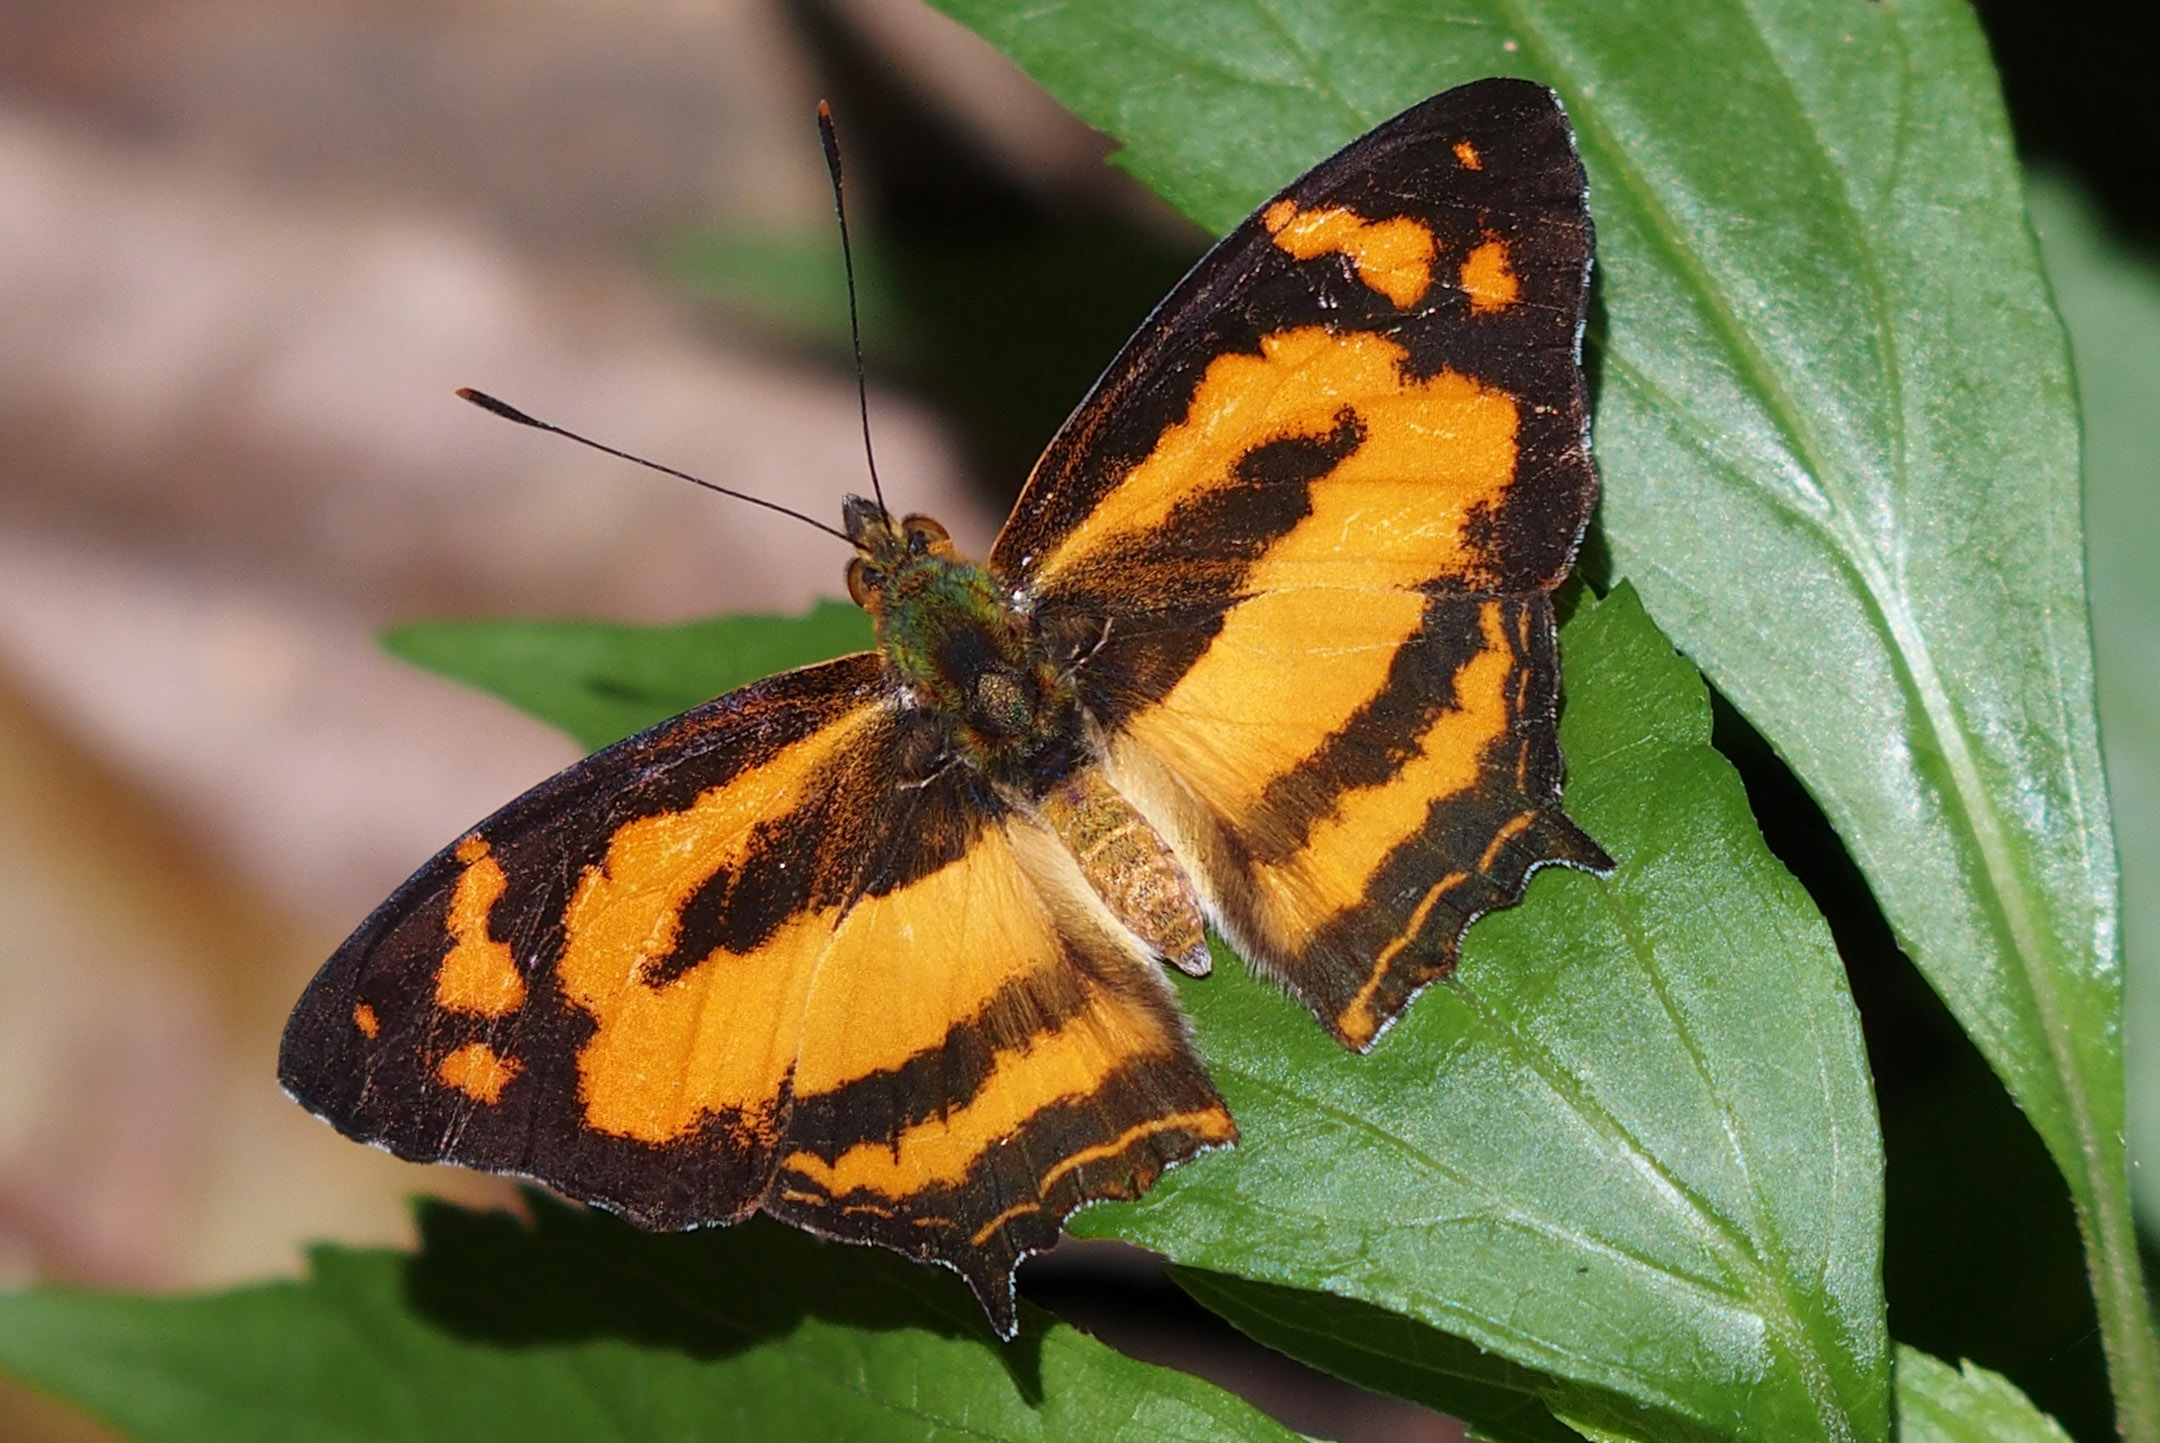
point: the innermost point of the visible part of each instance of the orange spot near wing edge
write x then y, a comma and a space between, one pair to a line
478, 1071
1488, 277
477, 974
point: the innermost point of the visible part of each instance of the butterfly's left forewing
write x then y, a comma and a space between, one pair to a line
758, 957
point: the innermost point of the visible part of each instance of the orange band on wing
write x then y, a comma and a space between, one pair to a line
1434, 456
1287, 669
1213, 1125
1331, 873
1067, 1065
1394, 257
975, 927
722, 1035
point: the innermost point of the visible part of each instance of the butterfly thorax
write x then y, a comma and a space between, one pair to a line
965, 653
962, 652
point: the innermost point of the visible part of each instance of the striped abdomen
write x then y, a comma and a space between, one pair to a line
1129, 866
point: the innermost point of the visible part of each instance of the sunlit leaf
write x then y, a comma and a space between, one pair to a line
2110, 298
1937, 1403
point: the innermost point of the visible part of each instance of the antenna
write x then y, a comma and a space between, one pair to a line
511, 413
831, 141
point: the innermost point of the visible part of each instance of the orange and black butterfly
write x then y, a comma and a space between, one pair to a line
876, 946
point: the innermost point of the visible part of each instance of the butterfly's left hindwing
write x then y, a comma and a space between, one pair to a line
750, 960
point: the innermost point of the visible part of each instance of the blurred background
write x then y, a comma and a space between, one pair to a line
247, 251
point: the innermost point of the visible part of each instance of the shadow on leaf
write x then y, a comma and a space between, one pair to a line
572, 1275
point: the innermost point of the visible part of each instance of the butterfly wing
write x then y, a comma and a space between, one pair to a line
1300, 540
770, 954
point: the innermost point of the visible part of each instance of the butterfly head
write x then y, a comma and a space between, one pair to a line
885, 549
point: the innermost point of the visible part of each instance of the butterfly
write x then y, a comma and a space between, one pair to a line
877, 946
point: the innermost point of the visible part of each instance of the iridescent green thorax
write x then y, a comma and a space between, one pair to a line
963, 649
969, 656
938, 618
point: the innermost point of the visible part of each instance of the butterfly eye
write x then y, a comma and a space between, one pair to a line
863, 580
924, 535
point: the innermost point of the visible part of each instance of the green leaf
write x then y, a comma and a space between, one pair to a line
1938, 1404
1631, 1146
582, 1328
1387, 1353
2110, 299
601, 682
1837, 429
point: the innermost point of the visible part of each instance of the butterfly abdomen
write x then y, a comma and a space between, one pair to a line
1129, 866
966, 655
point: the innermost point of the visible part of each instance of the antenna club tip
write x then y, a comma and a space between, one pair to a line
829, 138
500, 408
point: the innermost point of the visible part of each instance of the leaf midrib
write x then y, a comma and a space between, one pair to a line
1493, 1203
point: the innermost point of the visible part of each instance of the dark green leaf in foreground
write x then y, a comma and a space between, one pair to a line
1631, 1146
1837, 429
1937, 1403
600, 682
586, 1329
